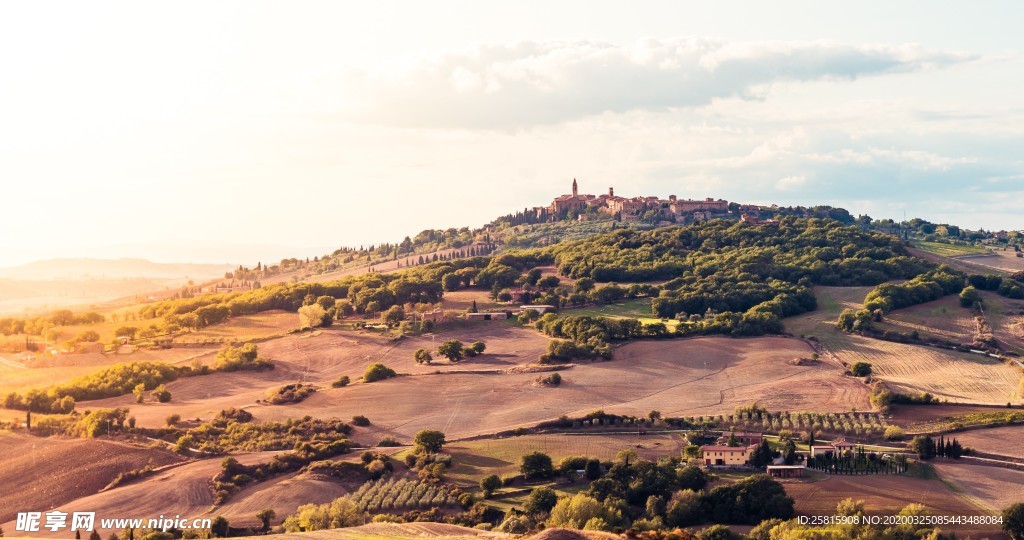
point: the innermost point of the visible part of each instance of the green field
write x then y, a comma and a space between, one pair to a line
638, 308
950, 250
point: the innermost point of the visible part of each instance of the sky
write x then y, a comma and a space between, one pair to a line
244, 131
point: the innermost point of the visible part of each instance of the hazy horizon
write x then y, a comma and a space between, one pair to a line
260, 130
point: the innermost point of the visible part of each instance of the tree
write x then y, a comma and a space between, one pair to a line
489, 484
540, 501
173, 420
341, 512
923, 446
969, 296
478, 347
762, 455
429, 441
532, 276
584, 285
88, 336
789, 455
313, 316
592, 470
219, 527
265, 516
376, 372
684, 509
893, 433
1013, 521
161, 394
549, 282
326, 302
140, 392
860, 369
423, 356
394, 316
576, 512
128, 332
536, 465
452, 350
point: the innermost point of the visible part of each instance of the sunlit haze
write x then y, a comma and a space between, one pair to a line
240, 131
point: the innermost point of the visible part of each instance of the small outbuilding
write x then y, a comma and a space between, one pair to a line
786, 471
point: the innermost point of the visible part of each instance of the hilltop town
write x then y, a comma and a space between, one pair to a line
648, 208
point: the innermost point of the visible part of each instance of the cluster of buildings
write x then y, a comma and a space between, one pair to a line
635, 208
723, 455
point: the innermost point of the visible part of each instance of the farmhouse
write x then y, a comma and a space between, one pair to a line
742, 437
435, 315
838, 447
716, 455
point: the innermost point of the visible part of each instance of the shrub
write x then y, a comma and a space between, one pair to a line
341, 382
244, 358
860, 369
290, 393
173, 419
551, 380
161, 394
894, 433
489, 484
389, 441
422, 356
376, 372
360, 420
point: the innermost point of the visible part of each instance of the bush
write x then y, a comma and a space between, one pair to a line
290, 393
161, 394
244, 358
360, 420
389, 441
894, 433
551, 380
341, 382
860, 369
173, 420
377, 371
422, 356
489, 484
969, 296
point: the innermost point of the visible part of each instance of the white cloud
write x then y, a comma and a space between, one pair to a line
531, 83
790, 182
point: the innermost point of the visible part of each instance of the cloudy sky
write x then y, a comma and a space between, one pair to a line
237, 131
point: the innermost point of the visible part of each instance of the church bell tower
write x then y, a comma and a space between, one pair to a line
575, 189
